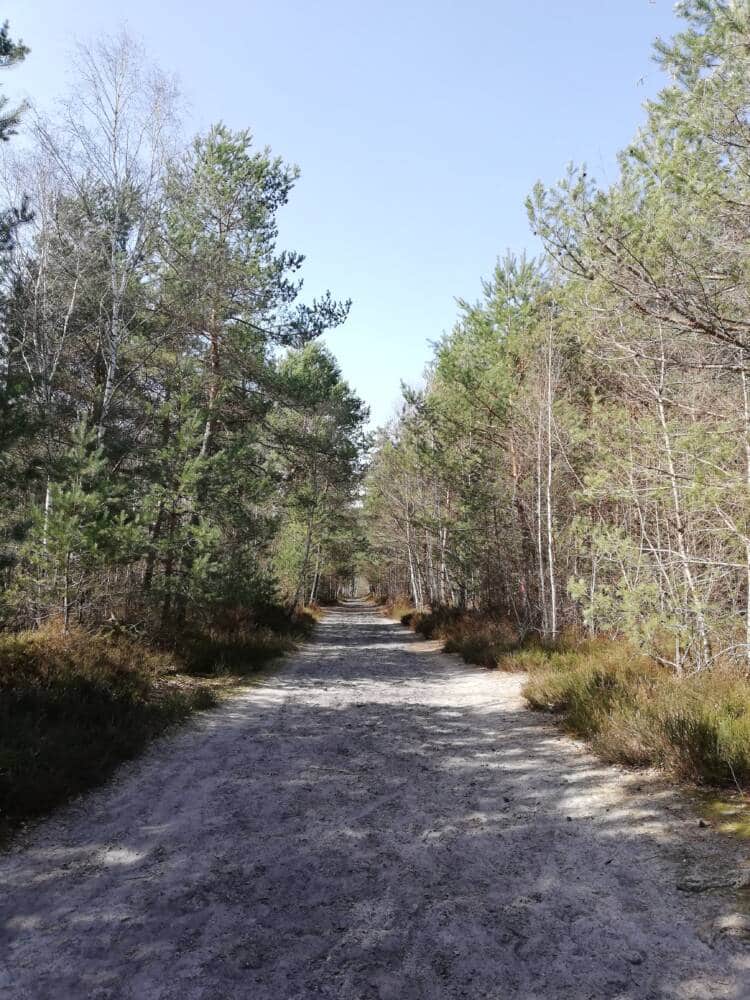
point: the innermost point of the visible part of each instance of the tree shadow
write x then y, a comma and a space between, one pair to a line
374, 821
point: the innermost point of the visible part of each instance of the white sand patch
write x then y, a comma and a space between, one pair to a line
376, 821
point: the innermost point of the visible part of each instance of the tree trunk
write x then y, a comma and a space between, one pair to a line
680, 527
539, 543
550, 548
298, 593
746, 416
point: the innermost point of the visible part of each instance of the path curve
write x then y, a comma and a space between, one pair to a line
375, 821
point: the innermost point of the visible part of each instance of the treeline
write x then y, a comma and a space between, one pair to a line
176, 445
579, 460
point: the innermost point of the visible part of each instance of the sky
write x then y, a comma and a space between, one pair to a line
419, 126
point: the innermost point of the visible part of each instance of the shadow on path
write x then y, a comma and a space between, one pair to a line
376, 820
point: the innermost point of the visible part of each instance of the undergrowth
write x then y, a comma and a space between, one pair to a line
478, 638
632, 710
238, 648
636, 712
73, 706
399, 608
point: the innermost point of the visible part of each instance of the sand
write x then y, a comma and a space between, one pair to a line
375, 820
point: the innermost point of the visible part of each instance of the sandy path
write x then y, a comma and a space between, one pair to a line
375, 821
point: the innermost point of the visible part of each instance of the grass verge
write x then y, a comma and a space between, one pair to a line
636, 712
237, 650
73, 707
478, 638
632, 710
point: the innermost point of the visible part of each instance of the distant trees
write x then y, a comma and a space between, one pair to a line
471, 478
165, 412
581, 454
320, 444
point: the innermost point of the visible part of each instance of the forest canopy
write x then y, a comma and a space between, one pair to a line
175, 441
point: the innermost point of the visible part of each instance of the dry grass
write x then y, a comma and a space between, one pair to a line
399, 608
72, 707
631, 709
636, 712
478, 638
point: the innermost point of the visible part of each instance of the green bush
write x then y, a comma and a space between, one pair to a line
706, 720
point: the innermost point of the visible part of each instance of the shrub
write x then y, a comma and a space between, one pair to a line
636, 712
478, 637
213, 654
399, 608
241, 645
74, 706
706, 720
632, 710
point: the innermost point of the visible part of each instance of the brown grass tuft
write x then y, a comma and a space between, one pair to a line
73, 706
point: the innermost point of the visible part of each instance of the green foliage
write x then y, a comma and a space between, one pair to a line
165, 415
579, 459
580, 455
75, 532
321, 441
442, 480
11, 52
166, 420
636, 713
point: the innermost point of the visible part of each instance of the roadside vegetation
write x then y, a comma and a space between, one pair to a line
631, 710
570, 491
179, 452
578, 460
75, 704
635, 712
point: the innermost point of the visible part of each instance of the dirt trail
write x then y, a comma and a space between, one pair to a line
375, 820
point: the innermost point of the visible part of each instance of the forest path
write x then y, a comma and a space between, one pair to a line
374, 820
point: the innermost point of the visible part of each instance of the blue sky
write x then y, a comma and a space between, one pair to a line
419, 128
